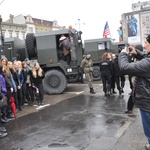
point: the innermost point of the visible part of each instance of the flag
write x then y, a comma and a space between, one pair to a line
106, 30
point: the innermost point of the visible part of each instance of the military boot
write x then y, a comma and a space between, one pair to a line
92, 91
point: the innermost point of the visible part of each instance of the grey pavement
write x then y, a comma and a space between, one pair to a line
132, 139
100, 124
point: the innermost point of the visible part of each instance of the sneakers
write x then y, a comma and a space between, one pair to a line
114, 92
147, 146
120, 92
128, 112
2, 129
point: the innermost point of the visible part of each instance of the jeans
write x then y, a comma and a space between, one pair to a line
145, 115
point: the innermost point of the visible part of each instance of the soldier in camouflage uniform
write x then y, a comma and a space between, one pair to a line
87, 67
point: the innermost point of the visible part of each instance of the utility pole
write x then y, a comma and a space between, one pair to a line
79, 24
1, 2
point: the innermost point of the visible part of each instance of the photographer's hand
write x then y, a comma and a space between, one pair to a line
124, 50
132, 50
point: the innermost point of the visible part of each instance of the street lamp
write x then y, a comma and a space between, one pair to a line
79, 23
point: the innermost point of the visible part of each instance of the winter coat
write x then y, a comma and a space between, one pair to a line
38, 80
141, 70
105, 68
20, 77
117, 72
3, 84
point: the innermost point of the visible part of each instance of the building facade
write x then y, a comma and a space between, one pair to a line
20, 25
136, 24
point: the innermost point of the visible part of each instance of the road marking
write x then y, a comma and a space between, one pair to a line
42, 106
74, 92
80, 92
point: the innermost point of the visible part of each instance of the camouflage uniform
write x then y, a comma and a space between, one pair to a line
86, 66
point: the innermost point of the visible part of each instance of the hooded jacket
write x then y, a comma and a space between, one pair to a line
141, 70
3, 85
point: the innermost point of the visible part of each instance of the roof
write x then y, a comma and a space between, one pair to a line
55, 32
42, 22
98, 40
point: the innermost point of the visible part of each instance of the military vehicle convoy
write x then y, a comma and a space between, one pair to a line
44, 48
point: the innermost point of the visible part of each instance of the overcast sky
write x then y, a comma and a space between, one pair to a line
93, 14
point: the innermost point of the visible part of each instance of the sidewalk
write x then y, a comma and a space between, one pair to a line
133, 138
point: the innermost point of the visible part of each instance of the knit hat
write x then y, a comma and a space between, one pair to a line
13, 59
148, 38
139, 47
27, 59
88, 53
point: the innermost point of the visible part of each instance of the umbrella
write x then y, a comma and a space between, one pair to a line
13, 106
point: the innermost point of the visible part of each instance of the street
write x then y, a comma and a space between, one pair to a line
74, 120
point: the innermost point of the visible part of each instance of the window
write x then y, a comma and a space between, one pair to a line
10, 34
23, 36
103, 46
17, 35
30, 30
100, 46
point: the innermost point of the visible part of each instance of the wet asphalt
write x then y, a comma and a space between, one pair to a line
71, 124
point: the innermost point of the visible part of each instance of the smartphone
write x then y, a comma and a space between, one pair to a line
127, 47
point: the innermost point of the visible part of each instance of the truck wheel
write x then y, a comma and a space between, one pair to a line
54, 82
96, 73
31, 45
73, 78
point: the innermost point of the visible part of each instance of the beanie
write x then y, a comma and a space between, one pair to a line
13, 59
26, 59
139, 47
148, 38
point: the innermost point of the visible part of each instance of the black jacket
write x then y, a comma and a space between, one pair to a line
141, 70
116, 68
38, 80
106, 68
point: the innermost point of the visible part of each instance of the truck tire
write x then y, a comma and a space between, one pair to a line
31, 45
54, 82
96, 73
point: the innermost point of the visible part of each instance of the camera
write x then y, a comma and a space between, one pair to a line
127, 47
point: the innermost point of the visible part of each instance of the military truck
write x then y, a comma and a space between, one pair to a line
13, 47
97, 47
44, 47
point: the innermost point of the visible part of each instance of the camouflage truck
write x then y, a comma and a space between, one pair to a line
44, 47
97, 47
13, 47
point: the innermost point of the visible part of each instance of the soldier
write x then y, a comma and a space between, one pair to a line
87, 67
65, 46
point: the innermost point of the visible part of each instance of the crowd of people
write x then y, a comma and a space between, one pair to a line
23, 83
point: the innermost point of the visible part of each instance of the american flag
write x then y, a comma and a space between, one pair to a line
106, 30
